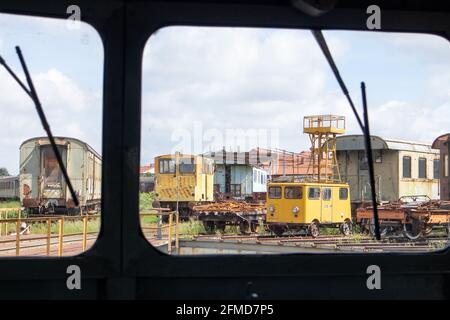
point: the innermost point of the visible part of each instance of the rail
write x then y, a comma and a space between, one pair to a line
16, 230
172, 227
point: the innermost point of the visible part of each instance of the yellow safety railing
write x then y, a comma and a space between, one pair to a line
13, 233
19, 234
172, 226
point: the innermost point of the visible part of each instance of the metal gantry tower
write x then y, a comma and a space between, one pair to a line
322, 131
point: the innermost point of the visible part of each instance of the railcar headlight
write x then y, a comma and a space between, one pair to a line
271, 208
295, 210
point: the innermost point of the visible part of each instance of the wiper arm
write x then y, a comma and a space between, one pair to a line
364, 127
31, 92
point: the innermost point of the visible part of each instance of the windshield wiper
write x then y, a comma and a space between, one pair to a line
31, 92
364, 127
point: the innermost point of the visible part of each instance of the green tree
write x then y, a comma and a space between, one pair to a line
4, 172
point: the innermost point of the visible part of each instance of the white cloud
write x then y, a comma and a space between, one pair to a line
69, 109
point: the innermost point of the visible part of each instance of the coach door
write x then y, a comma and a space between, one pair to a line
52, 182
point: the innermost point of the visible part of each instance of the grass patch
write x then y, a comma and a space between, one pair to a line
146, 200
10, 204
69, 227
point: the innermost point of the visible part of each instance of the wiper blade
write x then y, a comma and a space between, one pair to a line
31, 92
364, 127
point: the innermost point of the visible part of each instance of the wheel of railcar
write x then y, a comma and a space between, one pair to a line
244, 227
220, 225
346, 228
209, 226
427, 230
384, 230
413, 230
278, 231
313, 229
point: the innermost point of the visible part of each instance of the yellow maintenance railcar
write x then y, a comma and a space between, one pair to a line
296, 205
320, 199
182, 181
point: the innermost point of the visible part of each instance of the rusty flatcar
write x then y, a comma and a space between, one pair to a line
42, 186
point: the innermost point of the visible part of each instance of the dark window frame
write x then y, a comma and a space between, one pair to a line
316, 195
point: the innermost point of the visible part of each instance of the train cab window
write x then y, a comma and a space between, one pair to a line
293, 192
166, 165
343, 193
232, 98
275, 193
65, 62
187, 165
313, 193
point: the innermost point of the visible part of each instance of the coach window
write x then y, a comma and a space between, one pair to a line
313, 193
436, 169
275, 193
422, 168
406, 167
293, 192
65, 63
446, 166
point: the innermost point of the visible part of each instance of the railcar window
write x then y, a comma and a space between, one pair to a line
230, 96
343, 193
166, 165
293, 192
326, 194
313, 193
187, 165
275, 192
65, 61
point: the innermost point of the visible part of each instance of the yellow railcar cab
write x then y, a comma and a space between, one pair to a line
295, 205
183, 178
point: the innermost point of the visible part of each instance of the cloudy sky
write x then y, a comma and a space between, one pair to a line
204, 88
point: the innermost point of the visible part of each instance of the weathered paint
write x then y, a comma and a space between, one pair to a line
185, 187
388, 166
250, 179
85, 178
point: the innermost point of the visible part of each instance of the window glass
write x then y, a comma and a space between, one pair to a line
166, 165
326, 194
293, 192
343, 193
231, 95
65, 62
275, 192
406, 167
187, 165
436, 169
313, 193
422, 168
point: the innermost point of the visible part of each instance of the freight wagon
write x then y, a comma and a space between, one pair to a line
42, 186
9, 188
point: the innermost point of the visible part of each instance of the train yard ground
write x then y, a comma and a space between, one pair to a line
232, 243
